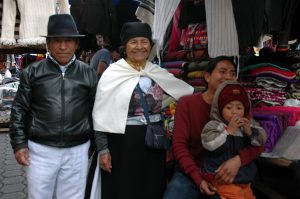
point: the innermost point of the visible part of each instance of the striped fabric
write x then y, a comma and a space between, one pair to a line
147, 4
145, 11
17, 23
221, 28
164, 12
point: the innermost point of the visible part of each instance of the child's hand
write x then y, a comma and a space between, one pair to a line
235, 123
246, 126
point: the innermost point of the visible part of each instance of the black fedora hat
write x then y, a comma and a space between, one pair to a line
62, 25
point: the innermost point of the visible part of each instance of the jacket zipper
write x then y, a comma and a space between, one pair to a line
62, 106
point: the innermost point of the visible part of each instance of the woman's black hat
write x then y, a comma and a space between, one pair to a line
135, 29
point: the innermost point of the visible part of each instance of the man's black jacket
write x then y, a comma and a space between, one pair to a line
51, 107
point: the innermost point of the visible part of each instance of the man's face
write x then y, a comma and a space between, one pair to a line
100, 40
62, 49
224, 70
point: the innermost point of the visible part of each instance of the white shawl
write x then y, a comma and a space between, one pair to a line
116, 86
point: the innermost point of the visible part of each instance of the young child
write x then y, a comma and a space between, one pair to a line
230, 129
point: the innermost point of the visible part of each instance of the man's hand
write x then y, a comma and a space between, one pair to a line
22, 156
226, 173
105, 162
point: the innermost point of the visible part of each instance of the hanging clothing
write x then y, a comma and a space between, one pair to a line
249, 19
164, 11
96, 17
145, 11
280, 15
33, 24
221, 30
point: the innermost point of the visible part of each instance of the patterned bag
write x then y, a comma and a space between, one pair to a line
196, 37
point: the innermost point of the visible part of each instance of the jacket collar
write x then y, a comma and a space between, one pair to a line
66, 66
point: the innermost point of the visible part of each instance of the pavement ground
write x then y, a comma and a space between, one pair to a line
13, 183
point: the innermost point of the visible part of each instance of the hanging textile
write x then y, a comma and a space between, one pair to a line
164, 11
33, 24
221, 28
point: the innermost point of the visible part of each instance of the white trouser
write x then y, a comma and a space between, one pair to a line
63, 168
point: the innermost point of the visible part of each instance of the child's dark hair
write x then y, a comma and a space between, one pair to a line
213, 62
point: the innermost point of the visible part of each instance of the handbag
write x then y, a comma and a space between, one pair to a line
155, 137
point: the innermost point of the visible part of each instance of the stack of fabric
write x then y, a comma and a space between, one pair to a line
267, 83
174, 67
275, 120
7, 94
194, 74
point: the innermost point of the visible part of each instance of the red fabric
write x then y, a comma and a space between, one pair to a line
173, 64
176, 72
175, 36
173, 56
294, 112
196, 37
192, 113
196, 82
274, 70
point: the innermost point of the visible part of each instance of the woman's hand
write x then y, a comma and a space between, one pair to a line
227, 171
105, 162
206, 188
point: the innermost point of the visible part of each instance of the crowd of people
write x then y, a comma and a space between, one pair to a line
62, 109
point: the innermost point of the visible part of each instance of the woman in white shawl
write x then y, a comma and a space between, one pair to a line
129, 169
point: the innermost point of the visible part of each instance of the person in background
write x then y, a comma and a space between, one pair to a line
104, 56
129, 169
231, 129
51, 116
192, 113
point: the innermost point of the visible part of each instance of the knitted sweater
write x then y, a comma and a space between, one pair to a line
34, 16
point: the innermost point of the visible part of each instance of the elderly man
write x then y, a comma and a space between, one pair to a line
51, 116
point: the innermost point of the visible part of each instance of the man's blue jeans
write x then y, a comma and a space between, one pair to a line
182, 187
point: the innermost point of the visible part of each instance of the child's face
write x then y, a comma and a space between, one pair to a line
233, 109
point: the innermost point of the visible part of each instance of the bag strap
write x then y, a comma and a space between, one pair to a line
144, 104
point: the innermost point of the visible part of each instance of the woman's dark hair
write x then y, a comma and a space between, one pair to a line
213, 62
